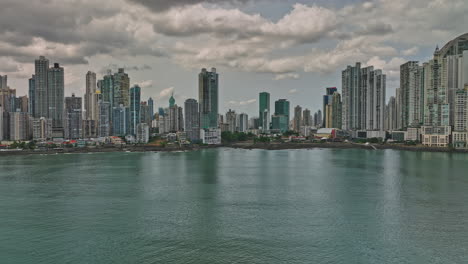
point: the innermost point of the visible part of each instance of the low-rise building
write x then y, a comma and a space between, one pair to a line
436, 136
211, 136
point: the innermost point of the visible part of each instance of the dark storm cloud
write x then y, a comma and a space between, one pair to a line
163, 5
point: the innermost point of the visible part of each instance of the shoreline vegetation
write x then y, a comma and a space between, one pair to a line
238, 145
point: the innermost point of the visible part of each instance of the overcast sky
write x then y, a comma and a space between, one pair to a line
292, 49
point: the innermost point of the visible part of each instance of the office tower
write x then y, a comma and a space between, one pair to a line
104, 128
171, 100
19, 126
41, 87
327, 100
32, 96
135, 97
336, 110
192, 119
121, 85
151, 107
306, 118
121, 120
297, 118
55, 96
90, 127
208, 98
264, 110
363, 98
23, 104
41, 128
176, 118
73, 117
280, 120
3, 82
106, 87
91, 98
231, 120
145, 115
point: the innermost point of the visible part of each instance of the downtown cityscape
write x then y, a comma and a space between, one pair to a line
429, 108
233, 131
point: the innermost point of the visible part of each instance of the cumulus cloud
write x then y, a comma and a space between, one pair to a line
292, 91
241, 103
145, 84
286, 76
196, 33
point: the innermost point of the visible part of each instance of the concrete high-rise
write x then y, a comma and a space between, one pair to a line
121, 85
135, 97
306, 118
231, 120
151, 107
91, 99
297, 118
336, 110
363, 98
55, 96
41, 87
327, 100
243, 121
208, 85
73, 117
412, 94
32, 96
192, 119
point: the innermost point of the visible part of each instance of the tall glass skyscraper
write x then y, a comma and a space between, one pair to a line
32, 96
208, 98
264, 110
135, 98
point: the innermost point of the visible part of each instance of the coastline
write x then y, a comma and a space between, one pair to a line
246, 145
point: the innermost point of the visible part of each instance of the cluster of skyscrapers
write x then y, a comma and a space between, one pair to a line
430, 106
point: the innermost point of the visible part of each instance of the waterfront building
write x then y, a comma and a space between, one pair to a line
363, 98
135, 97
91, 97
90, 128
19, 126
32, 96
55, 98
412, 94
208, 98
243, 122
211, 136
391, 114
142, 133
73, 117
327, 102
264, 110
436, 136
231, 120
41, 128
192, 119
120, 120
145, 113
104, 126
41, 87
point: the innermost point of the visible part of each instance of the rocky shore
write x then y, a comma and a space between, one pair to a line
243, 145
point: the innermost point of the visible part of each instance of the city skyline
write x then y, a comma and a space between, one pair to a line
328, 31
